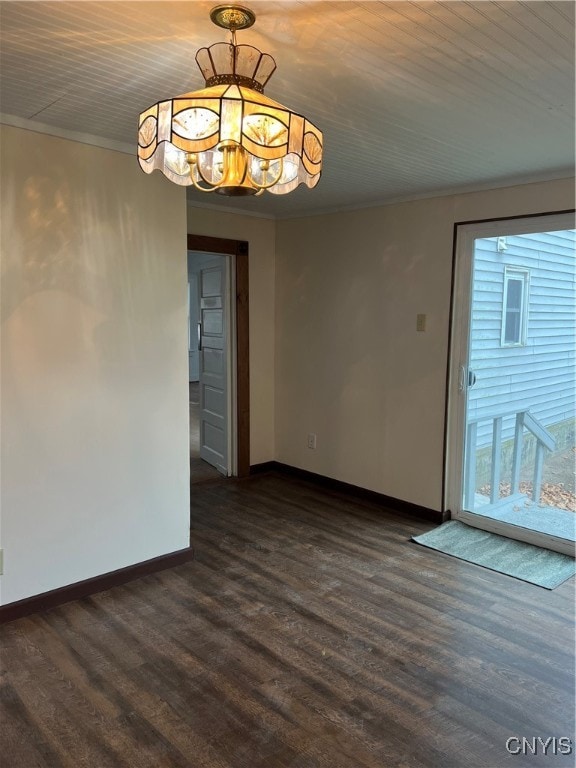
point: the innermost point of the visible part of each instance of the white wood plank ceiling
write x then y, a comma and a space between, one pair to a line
414, 98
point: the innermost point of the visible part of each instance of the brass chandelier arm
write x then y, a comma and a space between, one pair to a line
199, 187
193, 163
262, 187
194, 166
205, 180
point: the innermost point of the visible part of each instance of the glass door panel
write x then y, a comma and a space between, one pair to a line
517, 384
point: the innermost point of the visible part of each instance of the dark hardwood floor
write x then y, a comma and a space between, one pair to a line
308, 633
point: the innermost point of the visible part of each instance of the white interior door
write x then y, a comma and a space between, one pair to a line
213, 340
193, 325
511, 392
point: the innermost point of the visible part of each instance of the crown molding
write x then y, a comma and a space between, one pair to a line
230, 209
63, 133
466, 189
117, 146
129, 149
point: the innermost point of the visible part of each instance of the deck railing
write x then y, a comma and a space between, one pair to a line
524, 420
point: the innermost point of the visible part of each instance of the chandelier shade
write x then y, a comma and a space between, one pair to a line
229, 137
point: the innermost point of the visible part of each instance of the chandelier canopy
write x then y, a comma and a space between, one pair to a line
229, 137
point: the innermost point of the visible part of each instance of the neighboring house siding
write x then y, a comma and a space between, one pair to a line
540, 375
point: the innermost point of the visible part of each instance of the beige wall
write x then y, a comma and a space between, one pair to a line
94, 351
94, 363
260, 234
350, 365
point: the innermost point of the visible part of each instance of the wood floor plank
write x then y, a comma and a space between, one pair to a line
309, 632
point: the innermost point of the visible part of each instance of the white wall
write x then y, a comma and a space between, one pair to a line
260, 234
350, 365
94, 363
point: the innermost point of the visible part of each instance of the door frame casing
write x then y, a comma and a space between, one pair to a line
240, 324
465, 233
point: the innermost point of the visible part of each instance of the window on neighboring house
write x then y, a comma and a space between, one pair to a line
515, 307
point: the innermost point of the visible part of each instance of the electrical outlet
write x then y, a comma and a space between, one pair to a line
312, 441
420, 322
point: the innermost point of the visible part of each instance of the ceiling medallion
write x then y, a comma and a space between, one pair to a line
232, 17
228, 137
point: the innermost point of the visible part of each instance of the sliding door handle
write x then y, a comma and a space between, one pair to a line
199, 337
466, 379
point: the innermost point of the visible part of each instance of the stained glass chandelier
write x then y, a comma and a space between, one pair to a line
228, 137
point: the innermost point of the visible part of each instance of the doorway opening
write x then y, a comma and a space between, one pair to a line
513, 379
218, 358
210, 366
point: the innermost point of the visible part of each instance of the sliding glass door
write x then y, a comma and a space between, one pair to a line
512, 382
